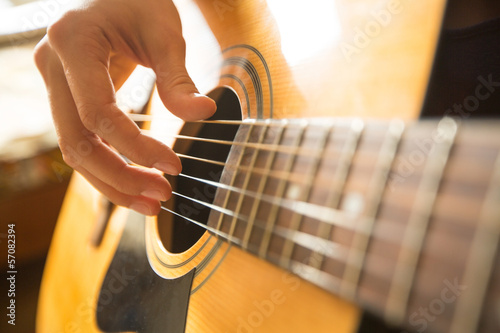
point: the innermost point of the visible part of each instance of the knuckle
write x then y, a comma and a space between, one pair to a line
57, 30
68, 155
88, 116
76, 30
63, 28
42, 55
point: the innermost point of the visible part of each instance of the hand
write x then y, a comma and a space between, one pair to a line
88, 54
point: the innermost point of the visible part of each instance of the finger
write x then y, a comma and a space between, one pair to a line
83, 150
179, 94
84, 55
166, 54
89, 153
141, 204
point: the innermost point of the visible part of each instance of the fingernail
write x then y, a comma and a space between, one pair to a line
198, 95
167, 168
154, 194
141, 208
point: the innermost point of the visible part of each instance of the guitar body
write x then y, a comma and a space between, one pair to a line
359, 58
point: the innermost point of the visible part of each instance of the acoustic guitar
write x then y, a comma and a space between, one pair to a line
302, 202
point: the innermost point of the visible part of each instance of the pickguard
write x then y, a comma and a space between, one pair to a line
133, 297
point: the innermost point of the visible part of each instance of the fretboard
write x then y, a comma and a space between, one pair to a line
395, 217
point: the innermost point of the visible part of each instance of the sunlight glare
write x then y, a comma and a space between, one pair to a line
306, 28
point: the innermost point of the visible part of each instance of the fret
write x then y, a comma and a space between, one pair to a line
359, 246
287, 251
262, 183
233, 176
418, 222
280, 190
479, 265
246, 180
338, 184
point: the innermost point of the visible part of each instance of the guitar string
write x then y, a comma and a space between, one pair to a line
260, 171
147, 117
346, 124
262, 146
261, 224
329, 216
247, 121
290, 151
282, 149
328, 248
309, 152
325, 247
322, 214
286, 233
269, 147
302, 151
317, 278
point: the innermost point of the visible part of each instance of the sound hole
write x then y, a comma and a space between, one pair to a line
176, 233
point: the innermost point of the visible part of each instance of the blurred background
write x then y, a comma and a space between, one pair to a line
33, 177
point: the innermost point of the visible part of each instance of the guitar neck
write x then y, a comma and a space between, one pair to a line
400, 218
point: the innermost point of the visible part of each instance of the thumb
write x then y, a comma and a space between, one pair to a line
179, 94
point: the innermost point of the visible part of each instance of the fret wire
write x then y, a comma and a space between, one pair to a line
480, 261
338, 183
359, 245
280, 189
296, 219
246, 181
233, 177
418, 223
260, 190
